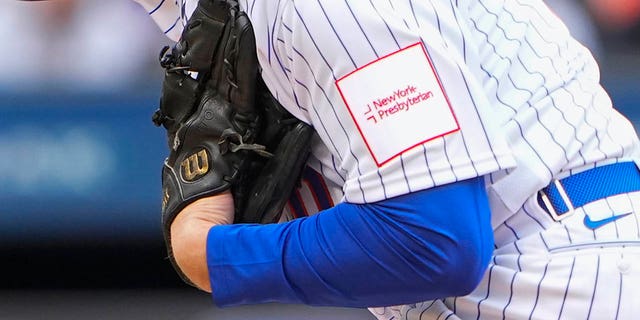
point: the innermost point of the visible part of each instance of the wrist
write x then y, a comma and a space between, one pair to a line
189, 235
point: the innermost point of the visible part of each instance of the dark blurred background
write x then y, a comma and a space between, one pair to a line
80, 232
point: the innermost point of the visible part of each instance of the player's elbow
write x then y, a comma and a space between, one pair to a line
450, 265
457, 241
465, 267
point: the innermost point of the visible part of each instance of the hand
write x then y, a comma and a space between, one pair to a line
189, 233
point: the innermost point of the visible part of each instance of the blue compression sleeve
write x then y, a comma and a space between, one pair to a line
430, 244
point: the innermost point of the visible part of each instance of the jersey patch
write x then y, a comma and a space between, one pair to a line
397, 103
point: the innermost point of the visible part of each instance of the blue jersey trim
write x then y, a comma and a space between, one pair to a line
430, 244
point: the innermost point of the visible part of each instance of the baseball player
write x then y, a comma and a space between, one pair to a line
466, 164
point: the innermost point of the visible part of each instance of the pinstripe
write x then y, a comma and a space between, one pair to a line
488, 293
548, 93
566, 291
546, 245
354, 65
406, 179
268, 34
582, 143
534, 9
253, 3
287, 27
335, 168
622, 148
286, 70
172, 26
346, 2
424, 148
595, 287
519, 256
511, 286
468, 156
425, 309
444, 143
597, 132
310, 70
466, 82
488, 74
335, 32
156, 8
295, 94
437, 17
406, 24
406, 314
413, 13
426, 160
315, 44
381, 16
535, 304
515, 233
300, 83
526, 211
455, 305
317, 84
183, 15
566, 230
272, 39
519, 269
547, 57
615, 223
619, 304
524, 89
384, 188
575, 130
622, 151
533, 49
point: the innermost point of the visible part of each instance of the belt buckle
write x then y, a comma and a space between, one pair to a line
565, 198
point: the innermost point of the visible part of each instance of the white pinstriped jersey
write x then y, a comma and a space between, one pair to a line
407, 95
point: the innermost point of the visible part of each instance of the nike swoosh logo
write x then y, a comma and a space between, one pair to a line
595, 224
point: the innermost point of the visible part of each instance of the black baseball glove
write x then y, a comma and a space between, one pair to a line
224, 129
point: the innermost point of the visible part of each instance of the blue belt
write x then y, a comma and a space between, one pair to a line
562, 196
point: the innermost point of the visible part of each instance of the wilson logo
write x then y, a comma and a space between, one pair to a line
195, 166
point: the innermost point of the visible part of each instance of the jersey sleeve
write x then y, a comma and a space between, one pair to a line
393, 99
170, 16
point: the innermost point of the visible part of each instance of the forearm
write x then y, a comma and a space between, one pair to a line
341, 257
